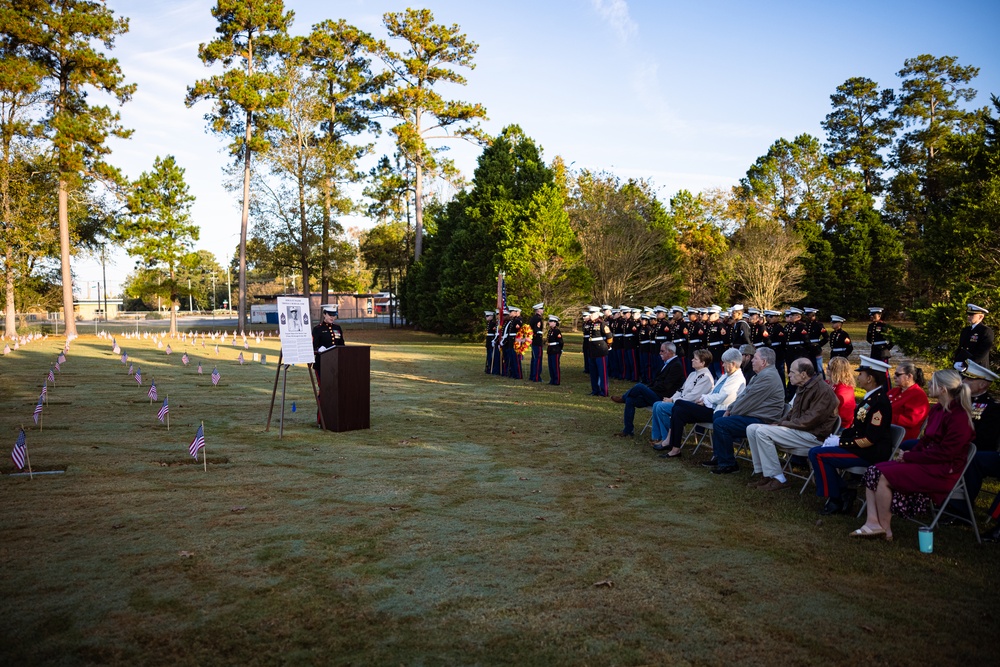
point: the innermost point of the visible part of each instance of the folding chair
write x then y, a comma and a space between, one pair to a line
702, 431
958, 492
649, 422
790, 452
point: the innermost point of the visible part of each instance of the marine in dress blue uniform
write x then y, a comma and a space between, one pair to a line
840, 342
553, 350
976, 340
600, 341
537, 324
818, 337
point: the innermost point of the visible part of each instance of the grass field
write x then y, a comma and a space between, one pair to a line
479, 521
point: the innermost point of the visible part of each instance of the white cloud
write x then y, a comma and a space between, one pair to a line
615, 12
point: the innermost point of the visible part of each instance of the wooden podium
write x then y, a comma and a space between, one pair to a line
344, 390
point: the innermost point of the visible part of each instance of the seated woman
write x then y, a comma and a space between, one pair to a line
867, 441
697, 383
704, 408
842, 381
929, 470
909, 402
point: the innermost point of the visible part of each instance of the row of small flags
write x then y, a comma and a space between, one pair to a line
20, 452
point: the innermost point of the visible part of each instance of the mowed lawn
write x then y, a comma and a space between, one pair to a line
479, 521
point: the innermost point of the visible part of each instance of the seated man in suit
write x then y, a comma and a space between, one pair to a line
666, 383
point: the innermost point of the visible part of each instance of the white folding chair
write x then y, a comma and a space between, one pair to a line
649, 422
701, 431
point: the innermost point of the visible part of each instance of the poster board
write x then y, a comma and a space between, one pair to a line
295, 330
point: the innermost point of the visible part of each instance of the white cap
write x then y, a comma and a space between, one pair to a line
837, 318
874, 309
738, 306
971, 308
970, 369
553, 318
795, 311
538, 306
330, 308
869, 364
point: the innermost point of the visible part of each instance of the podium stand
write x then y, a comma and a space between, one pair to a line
344, 391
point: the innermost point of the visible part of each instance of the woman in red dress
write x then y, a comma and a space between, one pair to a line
842, 381
931, 468
909, 402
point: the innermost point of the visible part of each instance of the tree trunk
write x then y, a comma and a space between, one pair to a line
303, 241
10, 328
325, 266
69, 316
174, 303
418, 207
242, 310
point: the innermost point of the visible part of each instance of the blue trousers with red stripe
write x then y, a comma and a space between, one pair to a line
535, 373
631, 363
599, 376
555, 376
825, 462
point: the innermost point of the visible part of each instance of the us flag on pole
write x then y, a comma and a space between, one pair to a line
52, 376
124, 357
152, 390
215, 376
62, 358
19, 451
169, 350
185, 359
138, 375
198, 442
58, 366
164, 409
241, 358
38, 410
45, 389
199, 369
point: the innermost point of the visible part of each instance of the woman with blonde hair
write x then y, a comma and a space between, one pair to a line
842, 381
929, 470
909, 401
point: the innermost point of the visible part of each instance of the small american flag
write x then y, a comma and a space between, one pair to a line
58, 366
215, 376
61, 359
38, 410
185, 359
199, 368
138, 375
164, 409
20, 450
198, 442
131, 369
52, 376
124, 357
45, 389
169, 350
241, 358
246, 345
152, 390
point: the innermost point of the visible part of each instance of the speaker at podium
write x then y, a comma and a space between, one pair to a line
345, 387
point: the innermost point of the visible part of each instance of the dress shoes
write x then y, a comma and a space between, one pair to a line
670, 456
775, 485
847, 499
711, 463
617, 399
757, 481
725, 470
622, 434
660, 448
993, 536
832, 506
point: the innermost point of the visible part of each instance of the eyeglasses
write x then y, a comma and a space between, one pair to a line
899, 374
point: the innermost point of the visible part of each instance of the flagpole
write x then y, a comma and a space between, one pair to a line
204, 448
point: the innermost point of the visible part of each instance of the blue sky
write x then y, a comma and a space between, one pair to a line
687, 94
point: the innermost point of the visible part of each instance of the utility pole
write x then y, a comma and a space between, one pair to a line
97, 317
190, 298
229, 288
213, 295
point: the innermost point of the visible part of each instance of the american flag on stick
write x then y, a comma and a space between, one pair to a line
199, 369
37, 415
185, 359
45, 390
20, 452
152, 390
164, 414
138, 375
52, 376
124, 357
215, 376
169, 350
198, 443
241, 358
61, 359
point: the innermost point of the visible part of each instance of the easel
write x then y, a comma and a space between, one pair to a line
274, 392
